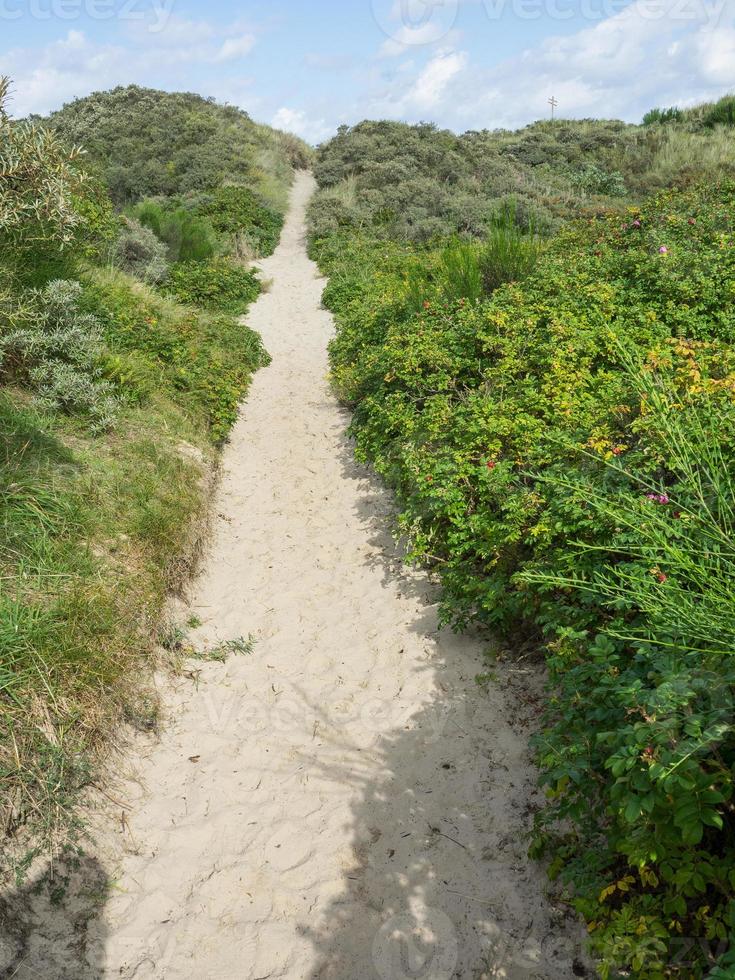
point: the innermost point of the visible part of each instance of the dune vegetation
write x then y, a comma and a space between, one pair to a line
123, 273
535, 332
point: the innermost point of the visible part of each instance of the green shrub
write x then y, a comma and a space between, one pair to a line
658, 713
149, 143
722, 113
672, 114
460, 272
140, 253
418, 183
237, 212
202, 359
593, 180
189, 237
523, 447
221, 285
510, 254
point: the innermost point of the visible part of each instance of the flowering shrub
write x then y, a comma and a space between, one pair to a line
563, 453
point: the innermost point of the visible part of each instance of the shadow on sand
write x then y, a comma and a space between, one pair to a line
440, 886
49, 928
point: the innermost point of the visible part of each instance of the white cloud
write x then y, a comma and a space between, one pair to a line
172, 31
296, 121
715, 55
619, 67
647, 54
236, 47
431, 84
46, 77
415, 23
404, 39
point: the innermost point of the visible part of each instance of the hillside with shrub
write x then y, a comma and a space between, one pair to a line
394, 180
205, 179
149, 143
556, 416
122, 362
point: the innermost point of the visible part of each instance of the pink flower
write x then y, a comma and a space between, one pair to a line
663, 250
636, 224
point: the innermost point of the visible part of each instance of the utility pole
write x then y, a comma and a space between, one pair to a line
553, 103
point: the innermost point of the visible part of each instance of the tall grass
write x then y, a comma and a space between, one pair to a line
683, 151
685, 530
470, 270
510, 253
460, 271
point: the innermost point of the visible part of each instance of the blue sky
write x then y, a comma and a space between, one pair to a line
310, 66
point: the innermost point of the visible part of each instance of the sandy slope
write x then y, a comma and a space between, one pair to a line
345, 801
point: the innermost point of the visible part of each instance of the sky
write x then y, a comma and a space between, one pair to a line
308, 66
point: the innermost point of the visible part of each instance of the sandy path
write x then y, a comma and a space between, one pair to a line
345, 801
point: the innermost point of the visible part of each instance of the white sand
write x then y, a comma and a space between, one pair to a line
345, 801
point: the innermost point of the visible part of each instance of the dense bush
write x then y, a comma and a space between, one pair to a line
417, 182
237, 212
140, 253
221, 285
204, 359
672, 114
188, 237
593, 180
563, 453
722, 113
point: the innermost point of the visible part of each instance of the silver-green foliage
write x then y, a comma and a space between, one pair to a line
57, 351
38, 177
140, 253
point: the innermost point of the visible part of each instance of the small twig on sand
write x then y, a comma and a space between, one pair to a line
435, 830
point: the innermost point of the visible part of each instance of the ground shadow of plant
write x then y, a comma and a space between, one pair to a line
440, 885
49, 927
